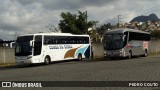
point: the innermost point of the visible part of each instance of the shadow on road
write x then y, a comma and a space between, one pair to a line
8, 67
157, 89
62, 62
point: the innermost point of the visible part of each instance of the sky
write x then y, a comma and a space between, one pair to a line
32, 16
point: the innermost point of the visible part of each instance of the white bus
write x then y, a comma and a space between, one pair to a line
125, 42
48, 47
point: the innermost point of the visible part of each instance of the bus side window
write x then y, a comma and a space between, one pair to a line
46, 39
38, 45
125, 39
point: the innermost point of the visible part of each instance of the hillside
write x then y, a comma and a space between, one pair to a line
151, 17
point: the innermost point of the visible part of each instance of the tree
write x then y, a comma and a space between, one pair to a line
104, 28
155, 34
67, 24
75, 24
53, 28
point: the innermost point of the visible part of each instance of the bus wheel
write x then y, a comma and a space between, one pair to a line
130, 55
47, 60
79, 57
145, 53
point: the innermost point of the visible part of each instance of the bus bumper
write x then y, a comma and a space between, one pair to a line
22, 60
112, 54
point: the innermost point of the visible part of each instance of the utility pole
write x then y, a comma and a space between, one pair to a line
86, 23
16, 35
119, 20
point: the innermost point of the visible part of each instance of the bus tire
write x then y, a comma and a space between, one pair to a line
145, 53
47, 60
79, 57
130, 54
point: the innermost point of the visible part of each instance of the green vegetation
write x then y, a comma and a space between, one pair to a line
75, 24
155, 34
104, 28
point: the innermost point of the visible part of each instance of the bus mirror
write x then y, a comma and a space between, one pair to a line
124, 37
12, 45
31, 43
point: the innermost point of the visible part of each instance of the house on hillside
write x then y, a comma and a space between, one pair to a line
5, 43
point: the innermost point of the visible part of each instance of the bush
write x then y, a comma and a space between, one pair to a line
155, 34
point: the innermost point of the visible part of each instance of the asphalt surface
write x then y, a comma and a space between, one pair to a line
136, 69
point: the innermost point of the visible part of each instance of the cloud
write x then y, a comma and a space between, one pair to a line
66, 4
31, 16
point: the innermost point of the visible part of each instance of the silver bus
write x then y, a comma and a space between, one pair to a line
124, 42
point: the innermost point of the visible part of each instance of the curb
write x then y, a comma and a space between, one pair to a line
6, 65
156, 56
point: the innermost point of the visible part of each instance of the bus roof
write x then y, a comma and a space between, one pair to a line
54, 34
122, 30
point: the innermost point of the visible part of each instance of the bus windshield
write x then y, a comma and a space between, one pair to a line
23, 47
113, 41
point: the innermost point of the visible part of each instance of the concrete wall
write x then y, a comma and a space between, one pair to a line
98, 50
7, 54
154, 46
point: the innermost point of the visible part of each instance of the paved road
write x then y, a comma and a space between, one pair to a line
136, 69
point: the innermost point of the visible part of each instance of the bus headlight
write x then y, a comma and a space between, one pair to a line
121, 51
